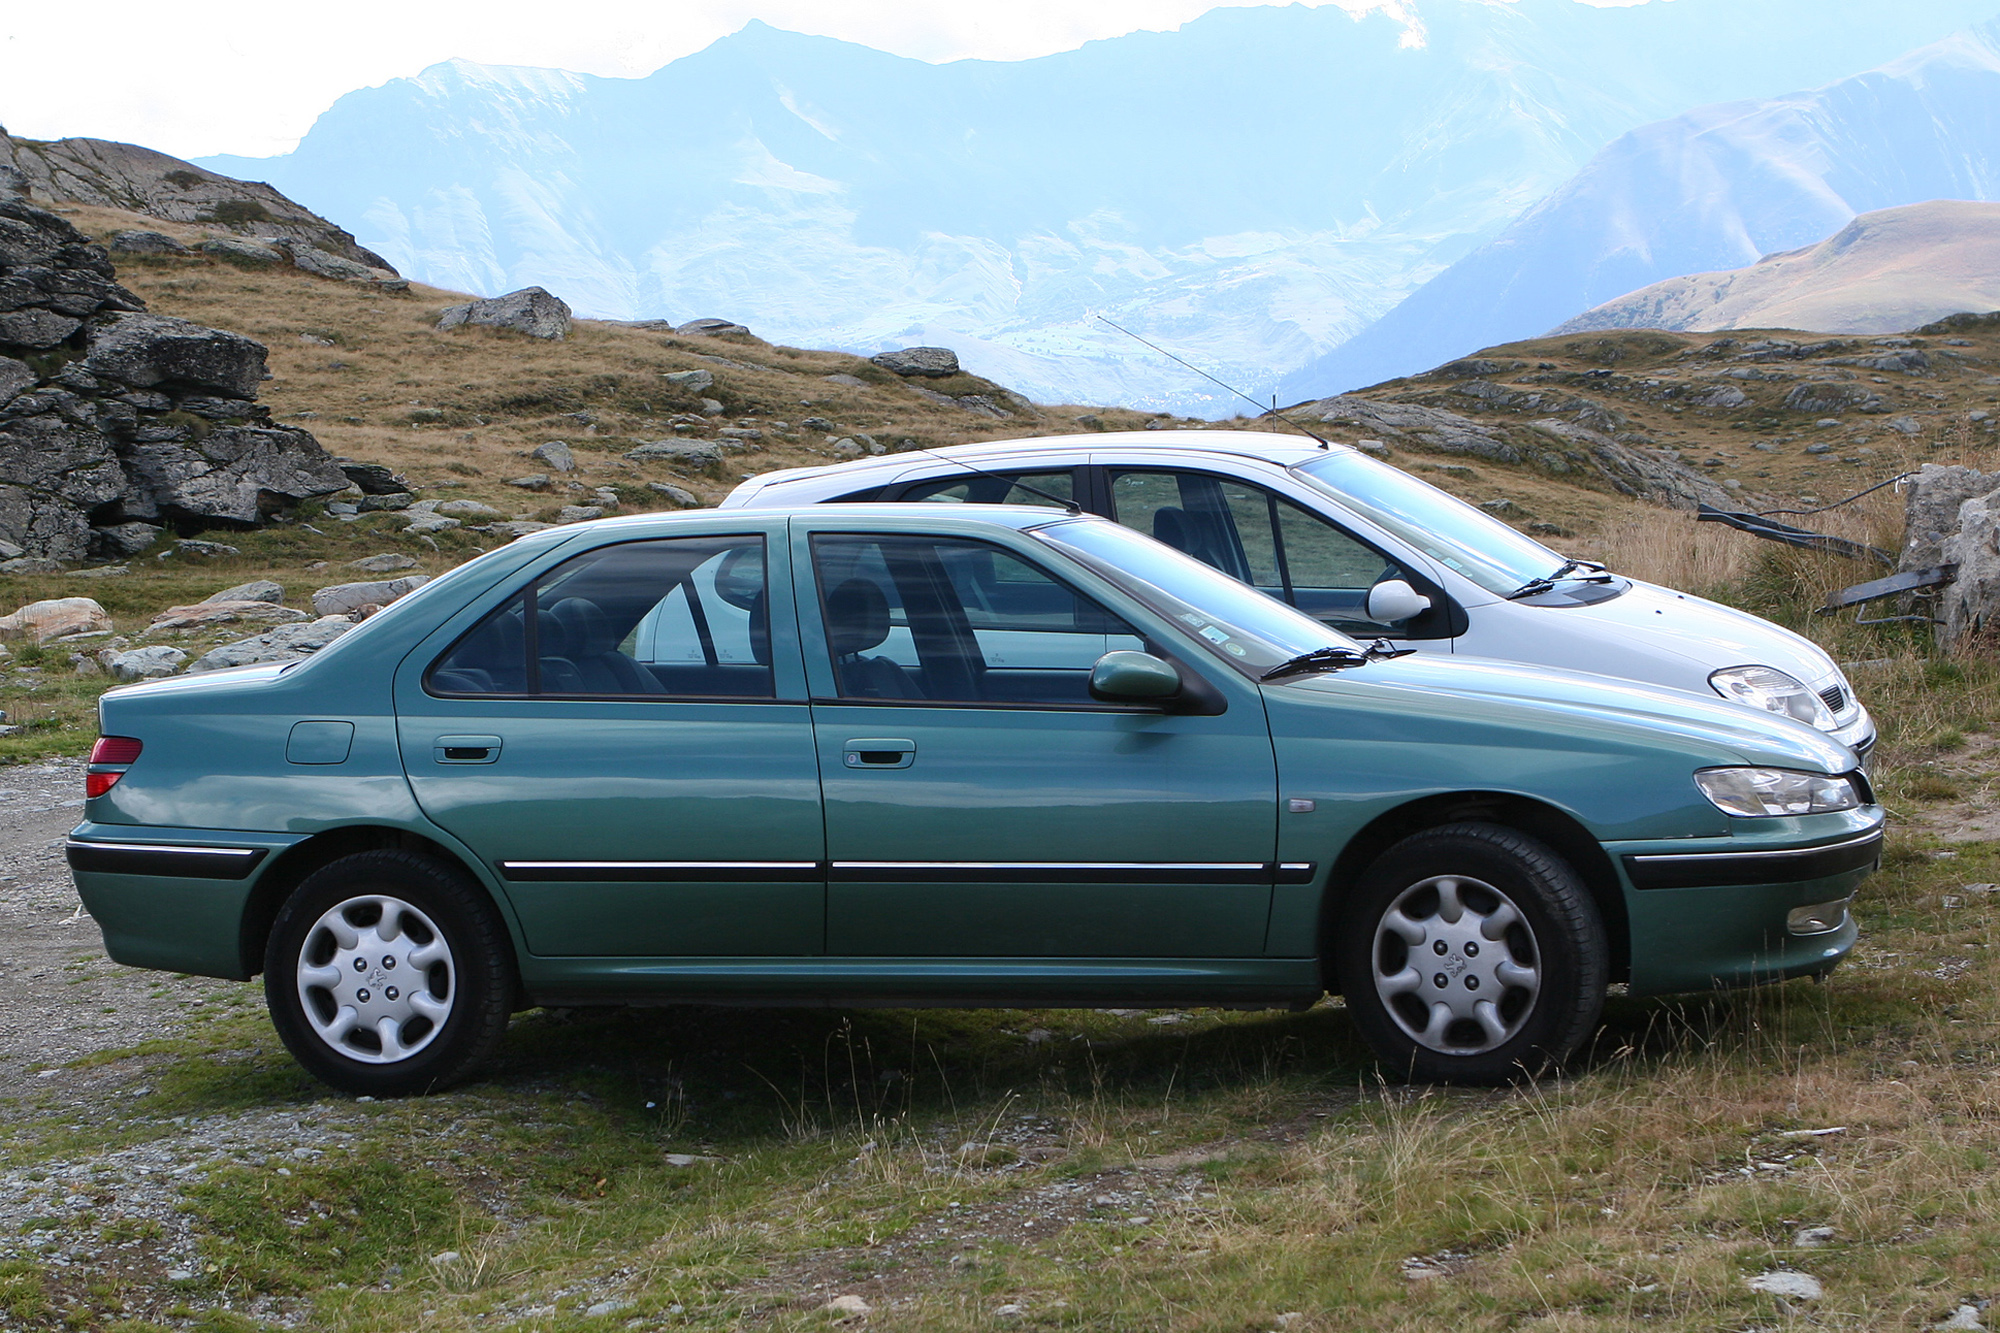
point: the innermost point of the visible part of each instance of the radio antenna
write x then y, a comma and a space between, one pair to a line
1070, 505
1271, 411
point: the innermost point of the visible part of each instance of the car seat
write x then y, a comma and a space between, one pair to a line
857, 619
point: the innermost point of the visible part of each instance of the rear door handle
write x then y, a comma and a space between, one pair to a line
465, 749
876, 752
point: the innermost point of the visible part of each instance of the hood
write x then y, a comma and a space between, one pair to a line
1578, 704
1707, 635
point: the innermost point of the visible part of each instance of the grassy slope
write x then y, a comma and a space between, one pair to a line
1214, 1172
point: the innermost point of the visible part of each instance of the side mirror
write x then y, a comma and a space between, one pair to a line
1123, 677
1392, 600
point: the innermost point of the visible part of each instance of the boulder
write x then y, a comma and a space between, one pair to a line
927, 362
709, 328
134, 242
36, 329
692, 380
385, 504
682, 499
160, 350
1823, 398
556, 455
237, 475
691, 453
538, 481
233, 251
288, 643
519, 527
225, 613
148, 663
846, 381
199, 550
123, 539
429, 523
531, 311
1971, 602
14, 378
578, 513
1931, 503
372, 478
346, 598
321, 264
1437, 429
466, 509
258, 590
13, 182
55, 618
386, 563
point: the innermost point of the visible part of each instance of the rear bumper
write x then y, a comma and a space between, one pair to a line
171, 898
1712, 917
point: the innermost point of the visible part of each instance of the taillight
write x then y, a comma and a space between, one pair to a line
115, 750
109, 750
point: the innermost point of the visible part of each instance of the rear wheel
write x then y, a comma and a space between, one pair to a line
1472, 953
388, 974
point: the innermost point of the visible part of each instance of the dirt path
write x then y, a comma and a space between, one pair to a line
60, 998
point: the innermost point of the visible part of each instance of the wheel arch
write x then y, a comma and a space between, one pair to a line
298, 862
1556, 827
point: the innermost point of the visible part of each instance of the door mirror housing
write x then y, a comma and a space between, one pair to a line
1130, 677
1392, 600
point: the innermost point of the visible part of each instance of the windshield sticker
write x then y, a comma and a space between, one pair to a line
1214, 635
1234, 649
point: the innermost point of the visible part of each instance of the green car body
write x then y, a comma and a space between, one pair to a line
806, 847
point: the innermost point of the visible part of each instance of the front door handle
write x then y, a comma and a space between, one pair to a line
876, 752
465, 749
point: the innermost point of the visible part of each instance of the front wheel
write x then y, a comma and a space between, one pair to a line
388, 974
1472, 953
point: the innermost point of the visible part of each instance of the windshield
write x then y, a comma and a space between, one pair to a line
1245, 628
1443, 527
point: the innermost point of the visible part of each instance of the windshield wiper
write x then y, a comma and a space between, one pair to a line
1335, 659
1535, 587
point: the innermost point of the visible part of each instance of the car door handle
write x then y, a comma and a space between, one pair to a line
874, 752
465, 749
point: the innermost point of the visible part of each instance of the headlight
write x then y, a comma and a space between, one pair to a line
1774, 691
1760, 792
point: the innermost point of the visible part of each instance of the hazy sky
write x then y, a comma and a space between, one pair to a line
235, 77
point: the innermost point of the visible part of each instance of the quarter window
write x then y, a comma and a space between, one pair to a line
1053, 490
951, 621
683, 617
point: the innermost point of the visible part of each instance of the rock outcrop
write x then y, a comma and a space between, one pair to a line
116, 423
531, 311
925, 362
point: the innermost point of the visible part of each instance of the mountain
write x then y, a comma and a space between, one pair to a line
1712, 189
1881, 273
1252, 189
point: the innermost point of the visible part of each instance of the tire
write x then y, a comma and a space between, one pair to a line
365, 1029
1517, 956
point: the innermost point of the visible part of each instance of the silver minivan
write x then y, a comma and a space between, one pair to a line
1370, 550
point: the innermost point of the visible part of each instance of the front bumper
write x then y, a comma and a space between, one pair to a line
1714, 913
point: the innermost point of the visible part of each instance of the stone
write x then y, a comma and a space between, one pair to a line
1965, 1319
846, 448
430, 523
311, 259
13, 182
820, 424
557, 455
578, 513
927, 362
36, 328
519, 527
345, 598
846, 381
531, 311
467, 509
1931, 503
1792, 1286
693, 380
42, 621
689, 453
258, 590
288, 643
675, 495
1977, 415
372, 478
386, 563
847, 1306
708, 328
159, 350
1821, 397
384, 504
1721, 396
101, 572
136, 242
711, 408
195, 547
1971, 602
1813, 1238
233, 251
225, 613
14, 378
154, 660
30, 564
1905, 425
745, 434
124, 538
538, 481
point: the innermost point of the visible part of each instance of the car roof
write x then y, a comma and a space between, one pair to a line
1284, 450
1018, 517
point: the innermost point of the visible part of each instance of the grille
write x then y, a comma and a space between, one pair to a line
1835, 699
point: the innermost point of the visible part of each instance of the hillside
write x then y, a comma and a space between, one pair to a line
1713, 189
1882, 273
1256, 186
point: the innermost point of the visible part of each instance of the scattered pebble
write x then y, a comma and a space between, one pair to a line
847, 1305
1784, 1282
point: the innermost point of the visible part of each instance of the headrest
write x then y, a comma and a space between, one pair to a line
588, 629
760, 629
857, 617
1172, 526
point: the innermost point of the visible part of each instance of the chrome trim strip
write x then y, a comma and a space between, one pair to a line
1657, 858
1086, 866
659, 865
168, 848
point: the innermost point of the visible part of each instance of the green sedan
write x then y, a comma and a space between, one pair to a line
903, 755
